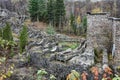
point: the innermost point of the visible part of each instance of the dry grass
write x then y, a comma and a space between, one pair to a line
37, 25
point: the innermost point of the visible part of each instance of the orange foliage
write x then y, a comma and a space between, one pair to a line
95, 71
84, 75
108, 70
68, 77
1, 78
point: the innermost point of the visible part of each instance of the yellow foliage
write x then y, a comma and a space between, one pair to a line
74, 75
78, 20
68, 77
7, 72
96, 10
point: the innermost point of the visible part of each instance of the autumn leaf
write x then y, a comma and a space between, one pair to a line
96, 10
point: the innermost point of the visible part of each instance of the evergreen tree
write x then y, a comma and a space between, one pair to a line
33, 9
7, 33
72, 23
23, 39
0, 32
59, 12
50, 11
42, 10
85, 23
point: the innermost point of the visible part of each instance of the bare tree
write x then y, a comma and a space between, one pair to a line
115, 7
88, 5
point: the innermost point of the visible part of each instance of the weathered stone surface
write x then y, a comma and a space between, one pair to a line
97, 31
43, 41
23, 74
116, 41
37, 60
105, 57
55, 49
66, 51
45, 51
87, 58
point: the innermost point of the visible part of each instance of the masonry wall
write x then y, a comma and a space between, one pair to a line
99, 30
116, 39
103, 32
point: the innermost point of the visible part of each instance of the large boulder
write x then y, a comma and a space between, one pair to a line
37, 60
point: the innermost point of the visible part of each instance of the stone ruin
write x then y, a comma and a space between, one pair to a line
98, 29
103, 31
116, 40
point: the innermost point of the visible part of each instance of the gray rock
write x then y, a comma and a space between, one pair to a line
105, 57
55, 49
23, 74
31, 44
66, 51
46, 51
37, 60
48, 45
87, 58
31, 35
43, 41
60, 57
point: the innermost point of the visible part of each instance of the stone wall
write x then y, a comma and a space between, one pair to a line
102, 32
99, 30
116, 40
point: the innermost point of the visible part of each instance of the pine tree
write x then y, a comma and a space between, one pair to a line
42, 10
85, 23
50, 11
33, 9
7, 33
1, 32
59, 12
23, 39
72, 23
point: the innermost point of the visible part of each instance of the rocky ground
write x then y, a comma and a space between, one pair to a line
44, 51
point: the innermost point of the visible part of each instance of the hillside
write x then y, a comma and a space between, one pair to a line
59, 40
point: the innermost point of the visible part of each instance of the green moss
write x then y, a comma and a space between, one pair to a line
67, 45
98, 55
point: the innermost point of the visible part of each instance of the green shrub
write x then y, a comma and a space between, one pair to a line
72, 24
23, 38
2, 43
52, 77
40, 74
116, 77
98, 55
1, 32
7, 44
50, 30
7, 33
